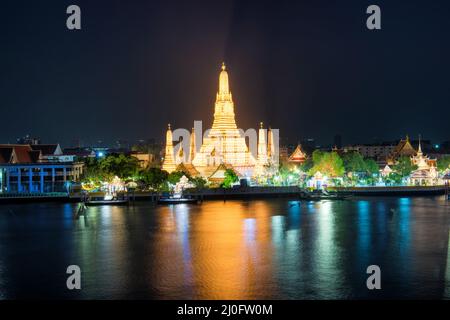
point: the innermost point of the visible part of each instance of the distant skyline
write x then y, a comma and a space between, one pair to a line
120, 143
309, 68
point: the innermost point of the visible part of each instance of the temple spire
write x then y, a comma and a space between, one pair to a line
419, 151
224, 87
192, 146
224, 143
169, 162
270, 143
224, 107
262, 159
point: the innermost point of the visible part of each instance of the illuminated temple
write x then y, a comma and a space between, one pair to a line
224, 146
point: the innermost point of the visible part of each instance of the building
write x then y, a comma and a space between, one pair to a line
224, 143
169, 158
145, 159
284, 154
80, 153
52, 153
403, 149
379, 152
298, 156
386, 171
25, 169
218, 176
426, 172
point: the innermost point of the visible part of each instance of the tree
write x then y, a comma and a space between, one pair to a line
283, 171
328, 163
371, 166
94, 173
443, 163
403, 167
199, 182
154, 177
354, 162
175, 176
372, 169
307, 165
120, 165
230, 178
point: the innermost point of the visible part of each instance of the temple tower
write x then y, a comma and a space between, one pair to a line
180, 156
262, 159
224, 143
169, 162
224, 107
192, 146
270, 144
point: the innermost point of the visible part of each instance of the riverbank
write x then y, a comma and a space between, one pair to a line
392, 190
237, 193
296, 192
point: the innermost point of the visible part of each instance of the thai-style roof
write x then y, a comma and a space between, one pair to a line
421, 174
16, 153
422, 161
404, 148
219, 174
432, 162
48, 149
298, 155
35, 155
188, 169
386, 170
6, 154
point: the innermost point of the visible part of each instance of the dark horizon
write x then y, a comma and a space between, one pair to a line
309, 68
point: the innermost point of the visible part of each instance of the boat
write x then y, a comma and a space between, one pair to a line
322, 195
108, 199
176, 199
106, 202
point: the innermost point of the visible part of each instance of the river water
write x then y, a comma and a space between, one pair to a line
258, 249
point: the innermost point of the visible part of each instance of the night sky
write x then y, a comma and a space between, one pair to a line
309, 68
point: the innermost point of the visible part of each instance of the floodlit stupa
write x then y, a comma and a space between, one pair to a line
224, 144
169, 162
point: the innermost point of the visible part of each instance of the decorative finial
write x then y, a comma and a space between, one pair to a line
407, 137
261, 125
420, 145
168, 126
223, 66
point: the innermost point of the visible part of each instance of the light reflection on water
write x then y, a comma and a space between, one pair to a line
262, 249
